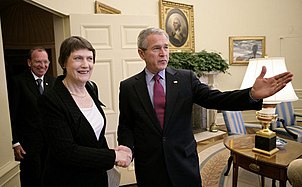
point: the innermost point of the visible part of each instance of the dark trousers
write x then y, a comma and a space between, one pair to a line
31, 169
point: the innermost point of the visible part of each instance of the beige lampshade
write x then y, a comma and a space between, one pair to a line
274, 66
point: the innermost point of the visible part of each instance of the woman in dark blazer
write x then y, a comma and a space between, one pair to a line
74, 123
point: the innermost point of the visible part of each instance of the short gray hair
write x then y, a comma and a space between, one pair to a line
141, 39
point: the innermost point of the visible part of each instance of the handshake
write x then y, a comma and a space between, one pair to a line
123, 156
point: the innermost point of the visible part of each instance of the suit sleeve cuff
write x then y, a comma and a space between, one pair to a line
251, 97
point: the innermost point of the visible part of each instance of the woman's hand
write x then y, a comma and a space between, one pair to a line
123, 156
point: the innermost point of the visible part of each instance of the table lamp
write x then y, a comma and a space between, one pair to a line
265, 139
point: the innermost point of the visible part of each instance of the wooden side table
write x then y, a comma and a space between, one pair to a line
274, 167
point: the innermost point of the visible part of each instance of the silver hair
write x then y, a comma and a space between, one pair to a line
142, 43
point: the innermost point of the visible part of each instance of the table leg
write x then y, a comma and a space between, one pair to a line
235, 171
262, 181
282, 183
230, 160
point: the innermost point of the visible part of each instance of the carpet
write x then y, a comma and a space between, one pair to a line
213, 161
213, 164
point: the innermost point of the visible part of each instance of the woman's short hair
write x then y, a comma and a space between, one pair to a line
72, 44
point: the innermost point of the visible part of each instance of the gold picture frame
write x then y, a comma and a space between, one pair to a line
177, 20
243, 48
101, 8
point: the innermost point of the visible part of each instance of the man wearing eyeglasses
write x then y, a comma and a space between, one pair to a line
28, 144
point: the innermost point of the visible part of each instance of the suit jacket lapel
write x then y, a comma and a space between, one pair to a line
142, 94
31, 82
99, 105
46, 83
172, 89
76, 114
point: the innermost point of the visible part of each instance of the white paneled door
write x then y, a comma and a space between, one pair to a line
114, 38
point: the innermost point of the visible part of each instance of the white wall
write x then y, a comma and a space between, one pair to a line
215, 21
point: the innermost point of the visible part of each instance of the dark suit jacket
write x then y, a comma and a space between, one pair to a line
171, 152
75, 156
25, 118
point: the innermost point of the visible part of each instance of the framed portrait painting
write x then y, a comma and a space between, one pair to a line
243, 48
178, 21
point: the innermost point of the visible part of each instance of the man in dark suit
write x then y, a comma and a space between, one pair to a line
167, 156
28, 142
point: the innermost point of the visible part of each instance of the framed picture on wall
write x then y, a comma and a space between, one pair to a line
101, 8
178, 21
243, 48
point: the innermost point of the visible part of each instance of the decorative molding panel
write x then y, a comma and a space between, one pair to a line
100, 36
102, 75
132, 66
129, 35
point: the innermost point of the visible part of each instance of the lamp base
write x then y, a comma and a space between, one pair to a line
265, 144
266, 152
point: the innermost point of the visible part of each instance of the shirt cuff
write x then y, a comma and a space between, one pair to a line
251, 98
16, 144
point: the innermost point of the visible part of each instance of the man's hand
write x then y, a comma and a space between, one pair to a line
265, 87
19, 152
123, 156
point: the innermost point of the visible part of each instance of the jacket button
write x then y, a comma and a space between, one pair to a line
164, 139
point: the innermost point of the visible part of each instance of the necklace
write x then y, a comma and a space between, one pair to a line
81, 96
71, 93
